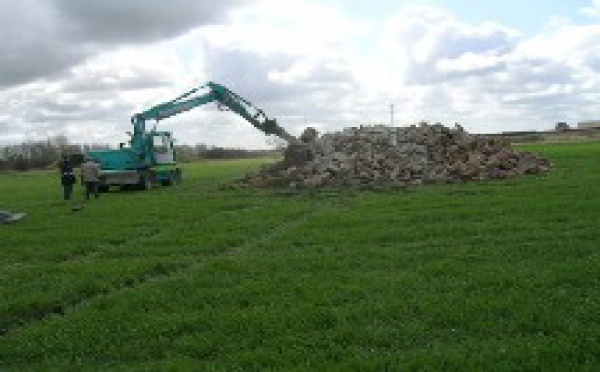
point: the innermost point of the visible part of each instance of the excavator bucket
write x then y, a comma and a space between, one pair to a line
297, 153
300, 151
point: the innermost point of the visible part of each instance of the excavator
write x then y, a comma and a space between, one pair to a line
150, 158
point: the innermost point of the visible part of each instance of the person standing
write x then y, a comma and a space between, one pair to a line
90, 175
67, 178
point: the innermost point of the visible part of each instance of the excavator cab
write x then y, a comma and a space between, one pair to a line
162, 148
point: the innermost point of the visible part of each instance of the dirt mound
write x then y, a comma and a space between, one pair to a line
380, 155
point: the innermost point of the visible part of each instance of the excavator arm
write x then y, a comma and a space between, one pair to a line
213, 93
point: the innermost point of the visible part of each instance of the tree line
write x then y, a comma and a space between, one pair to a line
201, 151
46, 154
42, 154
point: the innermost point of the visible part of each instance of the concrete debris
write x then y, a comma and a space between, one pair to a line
7, 217
380, 155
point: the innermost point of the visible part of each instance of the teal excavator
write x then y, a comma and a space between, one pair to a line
150, 157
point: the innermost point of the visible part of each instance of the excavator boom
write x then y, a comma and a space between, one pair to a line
213, 93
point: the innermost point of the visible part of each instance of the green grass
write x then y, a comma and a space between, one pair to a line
497, 275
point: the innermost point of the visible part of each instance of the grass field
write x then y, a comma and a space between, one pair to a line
497, 275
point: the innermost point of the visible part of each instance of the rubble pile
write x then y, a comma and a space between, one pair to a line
380, 155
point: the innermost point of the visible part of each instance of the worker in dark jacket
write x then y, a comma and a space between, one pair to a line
65, 165
67, 178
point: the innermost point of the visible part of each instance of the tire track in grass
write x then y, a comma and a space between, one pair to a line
111, 244
141, 236
157, 272
39, 312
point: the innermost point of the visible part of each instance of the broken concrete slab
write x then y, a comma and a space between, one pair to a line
7, 217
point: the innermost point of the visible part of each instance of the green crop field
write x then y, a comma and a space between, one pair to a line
500, 275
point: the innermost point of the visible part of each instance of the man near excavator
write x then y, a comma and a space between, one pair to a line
90, 174
67, 178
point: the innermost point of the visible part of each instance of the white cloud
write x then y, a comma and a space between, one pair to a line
593, 10
469, 63
309, 62
491, 77
434, 45
294, 27
42, 39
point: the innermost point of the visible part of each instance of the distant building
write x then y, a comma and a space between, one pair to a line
589, 124
562, 127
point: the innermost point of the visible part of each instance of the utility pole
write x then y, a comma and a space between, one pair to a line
392, 115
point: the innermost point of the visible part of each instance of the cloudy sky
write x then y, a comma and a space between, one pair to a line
82, 68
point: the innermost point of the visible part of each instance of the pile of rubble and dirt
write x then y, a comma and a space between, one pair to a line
381, 155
